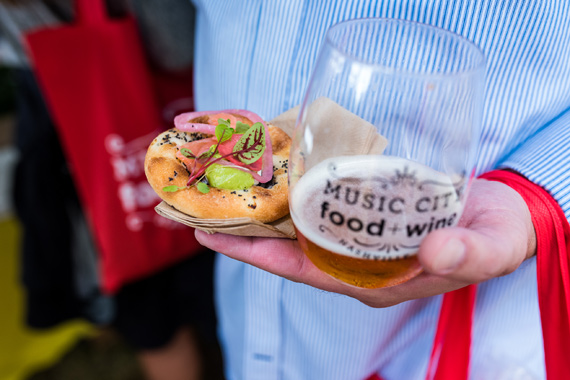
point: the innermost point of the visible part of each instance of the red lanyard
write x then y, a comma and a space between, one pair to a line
553, 270
451, 349
452, 343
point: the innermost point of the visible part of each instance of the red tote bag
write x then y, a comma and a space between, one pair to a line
98, 88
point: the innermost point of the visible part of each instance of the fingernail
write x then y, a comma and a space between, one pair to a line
449, 257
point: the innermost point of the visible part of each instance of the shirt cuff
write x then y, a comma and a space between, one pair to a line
545, 160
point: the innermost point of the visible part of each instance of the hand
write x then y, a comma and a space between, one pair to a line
495, 235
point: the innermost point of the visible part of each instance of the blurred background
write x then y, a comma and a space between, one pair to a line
51, 327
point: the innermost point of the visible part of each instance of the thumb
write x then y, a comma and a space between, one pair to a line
495, 243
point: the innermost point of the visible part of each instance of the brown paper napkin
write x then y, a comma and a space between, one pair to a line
282, 228
338, 132
334, 117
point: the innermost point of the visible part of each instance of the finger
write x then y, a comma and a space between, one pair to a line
493, 245
282, 257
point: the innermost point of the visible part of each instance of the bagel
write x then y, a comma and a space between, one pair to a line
165, 170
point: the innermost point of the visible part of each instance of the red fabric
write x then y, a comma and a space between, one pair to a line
451, 349
452, 343
174, 92
553, 268
94, 77
449, 359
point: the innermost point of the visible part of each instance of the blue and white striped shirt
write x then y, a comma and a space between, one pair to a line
258, 55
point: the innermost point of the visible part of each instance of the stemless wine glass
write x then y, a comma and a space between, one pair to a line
383, 150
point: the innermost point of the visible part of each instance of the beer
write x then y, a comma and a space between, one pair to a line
363, 273
361, 219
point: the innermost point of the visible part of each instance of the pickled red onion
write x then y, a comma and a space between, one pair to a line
183, 123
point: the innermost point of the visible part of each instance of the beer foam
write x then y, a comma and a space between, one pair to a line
373, 206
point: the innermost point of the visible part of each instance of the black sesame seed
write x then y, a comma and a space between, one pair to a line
269, 184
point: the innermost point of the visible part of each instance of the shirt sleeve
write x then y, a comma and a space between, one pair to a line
544, 159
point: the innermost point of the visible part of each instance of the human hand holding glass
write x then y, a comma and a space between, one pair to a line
429, 111
361, 215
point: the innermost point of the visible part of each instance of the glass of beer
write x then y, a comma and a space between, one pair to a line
384, 148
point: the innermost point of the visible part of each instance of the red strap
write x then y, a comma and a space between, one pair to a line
90, 12
553, 267
450, 357
452, 343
